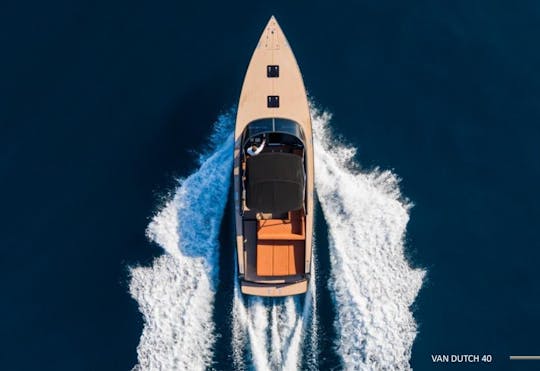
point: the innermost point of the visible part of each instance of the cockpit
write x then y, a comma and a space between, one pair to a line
273, 166
273, 132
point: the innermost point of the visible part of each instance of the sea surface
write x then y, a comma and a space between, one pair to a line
116, 243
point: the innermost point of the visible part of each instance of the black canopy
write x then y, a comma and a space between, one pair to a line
275, 182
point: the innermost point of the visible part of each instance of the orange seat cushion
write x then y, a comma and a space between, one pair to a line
282, 229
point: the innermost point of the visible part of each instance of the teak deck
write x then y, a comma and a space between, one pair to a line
281, 246
275, 247
280, 258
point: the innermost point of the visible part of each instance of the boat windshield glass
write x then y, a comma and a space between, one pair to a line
275, 125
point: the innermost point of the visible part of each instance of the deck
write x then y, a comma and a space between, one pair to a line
275, 248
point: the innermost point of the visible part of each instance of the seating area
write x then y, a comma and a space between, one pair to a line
280, 258
291, 228
281, 245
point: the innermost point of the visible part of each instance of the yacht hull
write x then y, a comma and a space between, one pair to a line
258, 261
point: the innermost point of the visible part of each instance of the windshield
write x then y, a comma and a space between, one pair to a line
275, 125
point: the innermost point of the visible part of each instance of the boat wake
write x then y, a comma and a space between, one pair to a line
176, 294
371, 282
276, 328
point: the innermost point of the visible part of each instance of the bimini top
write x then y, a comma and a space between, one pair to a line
275, 182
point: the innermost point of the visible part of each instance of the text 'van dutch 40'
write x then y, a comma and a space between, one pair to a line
457, 358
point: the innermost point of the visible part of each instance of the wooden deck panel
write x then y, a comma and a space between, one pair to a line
280, 258
265, 260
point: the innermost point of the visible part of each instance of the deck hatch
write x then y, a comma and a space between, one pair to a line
273, 101
272, 71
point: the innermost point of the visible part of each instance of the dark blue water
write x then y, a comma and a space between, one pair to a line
102, 105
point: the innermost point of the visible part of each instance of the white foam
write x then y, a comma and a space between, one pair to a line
176, 294
372, 283
276, 329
